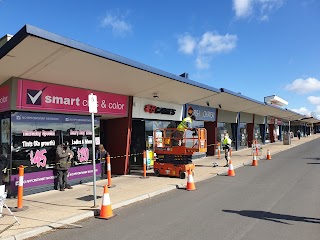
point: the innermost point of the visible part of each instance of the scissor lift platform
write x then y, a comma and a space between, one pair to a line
174, 152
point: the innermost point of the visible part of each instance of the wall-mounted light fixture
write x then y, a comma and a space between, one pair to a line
155, 95
219, 105
208, 104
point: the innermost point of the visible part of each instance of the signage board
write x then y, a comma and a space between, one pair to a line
202, 113
34, 95
4, 98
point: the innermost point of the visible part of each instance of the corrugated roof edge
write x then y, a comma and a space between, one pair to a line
40, 33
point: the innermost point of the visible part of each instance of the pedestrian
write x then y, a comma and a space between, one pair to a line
63, 163
299, 134
226, 147
101, 153
3, 166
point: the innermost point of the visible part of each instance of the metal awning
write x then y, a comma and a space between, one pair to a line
39, 55
310, 120
36, 54
236, 102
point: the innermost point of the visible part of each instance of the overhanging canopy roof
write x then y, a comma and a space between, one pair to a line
236, 102
36, 54
310, 120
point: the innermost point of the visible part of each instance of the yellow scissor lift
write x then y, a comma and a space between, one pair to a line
174, 154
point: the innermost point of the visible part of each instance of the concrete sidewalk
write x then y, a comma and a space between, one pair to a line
53, 209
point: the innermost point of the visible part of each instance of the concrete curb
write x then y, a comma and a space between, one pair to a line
82, 216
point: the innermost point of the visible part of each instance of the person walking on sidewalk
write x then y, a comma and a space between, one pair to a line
299, 134
226, 147
63, 163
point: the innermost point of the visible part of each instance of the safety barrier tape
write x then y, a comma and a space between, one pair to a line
48, 166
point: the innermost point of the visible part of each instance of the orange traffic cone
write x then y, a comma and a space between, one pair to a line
254, 160
231, 172
268, 155
190, 183
106, 210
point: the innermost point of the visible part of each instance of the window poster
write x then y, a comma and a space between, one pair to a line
35, 137
5, 130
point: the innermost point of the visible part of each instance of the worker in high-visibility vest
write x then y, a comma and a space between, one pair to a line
226, 147
183, 126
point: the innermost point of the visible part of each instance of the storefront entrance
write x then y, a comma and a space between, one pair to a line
138, 144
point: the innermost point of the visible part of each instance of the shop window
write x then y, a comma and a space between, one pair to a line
5, 133
257, 134
222, 129
35, 137
243, 135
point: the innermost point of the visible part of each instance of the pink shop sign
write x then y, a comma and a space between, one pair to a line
50, 97
4, 98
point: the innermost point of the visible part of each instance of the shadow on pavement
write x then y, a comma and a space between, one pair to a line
198, 165
55, 204
274, 217
313, 158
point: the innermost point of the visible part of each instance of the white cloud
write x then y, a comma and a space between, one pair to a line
262, 8
318, 110
202, 62
209, 44
213, 43
302, 110
301, 86
314, 100
187, 44
117, 23
242, 8
308, 113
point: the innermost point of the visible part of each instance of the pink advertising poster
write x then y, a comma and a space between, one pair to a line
34, 95
4, 98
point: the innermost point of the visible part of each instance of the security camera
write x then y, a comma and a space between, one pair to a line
208, 104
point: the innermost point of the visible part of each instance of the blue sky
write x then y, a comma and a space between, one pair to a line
255, 47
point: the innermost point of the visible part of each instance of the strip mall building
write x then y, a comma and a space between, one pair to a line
45, 82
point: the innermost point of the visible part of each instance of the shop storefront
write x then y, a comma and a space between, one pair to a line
205, 118
41, 116
227, 123
148, 115
259, 131
245, 129
275, 129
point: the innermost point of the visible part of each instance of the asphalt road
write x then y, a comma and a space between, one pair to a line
279, 199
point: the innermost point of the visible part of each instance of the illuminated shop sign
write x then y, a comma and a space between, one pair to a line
159, 110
